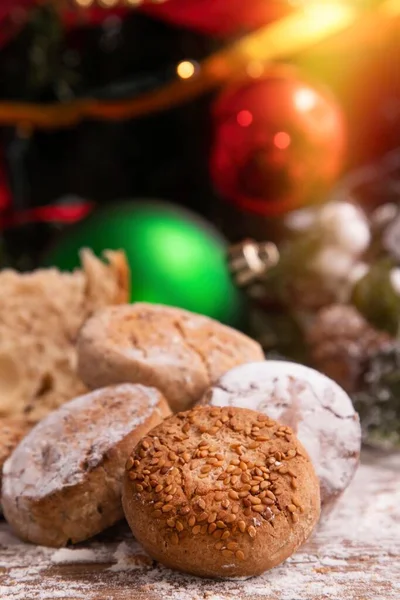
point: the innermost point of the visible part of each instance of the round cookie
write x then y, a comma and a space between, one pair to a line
178, 352
320, 413
11, 433
63, 482
220, 492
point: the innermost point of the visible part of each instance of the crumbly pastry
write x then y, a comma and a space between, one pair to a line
178, 352
320, 413
11, 433
220, 492
40, 316
63, 482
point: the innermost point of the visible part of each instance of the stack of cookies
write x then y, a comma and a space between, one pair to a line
220, 461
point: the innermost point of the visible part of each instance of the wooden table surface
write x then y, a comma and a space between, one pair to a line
354, 555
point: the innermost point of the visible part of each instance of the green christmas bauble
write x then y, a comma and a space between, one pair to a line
176, 258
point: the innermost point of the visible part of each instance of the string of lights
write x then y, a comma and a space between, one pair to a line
307, 26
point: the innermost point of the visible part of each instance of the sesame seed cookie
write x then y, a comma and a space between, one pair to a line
63, 482
320, 413
220, 492
176, 351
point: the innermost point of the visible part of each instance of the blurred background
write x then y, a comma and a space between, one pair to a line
245, 155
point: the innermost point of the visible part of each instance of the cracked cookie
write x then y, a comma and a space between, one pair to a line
176, 351
220, 492
320, 413
63, 482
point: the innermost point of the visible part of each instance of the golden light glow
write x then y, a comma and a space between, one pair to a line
309, 25
108, 3
134, 2
84, 3
305, 99
391, 7
185, 69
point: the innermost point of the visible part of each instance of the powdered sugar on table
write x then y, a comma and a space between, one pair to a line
355, 555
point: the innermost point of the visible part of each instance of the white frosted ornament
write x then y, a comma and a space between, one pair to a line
318, 410
345, 225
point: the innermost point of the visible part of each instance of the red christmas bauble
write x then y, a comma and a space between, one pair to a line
218, 17
279, 144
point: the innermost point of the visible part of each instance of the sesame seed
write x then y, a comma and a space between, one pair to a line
186, 427
164, 470
255, 489
243, 466
203, 428
168, 498
293, 483
215, 412
219, 456
242, 526
158, 504
172, 456
235, 479
295, 517
262, 438
247, 512
213, 430
171, 522
227, 481
283, 470
220, 525
239, 555
196, 529
132, 475
235, 509
205, 469
167, 508
271, 495
230, 469
243, 494
184, 510
202, 475
139, 487
253, 445
211, 528
129, 463
217, 534
191, 520
218, 495
259, 508
225, 535
202, 517
291, 453
212, 461
204, 529
179, 526
230, 518
212, 517
291, 508
252, 531
225, 503
219, 545
227, 553
218, 423
267, 501
232, 546
234, 495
